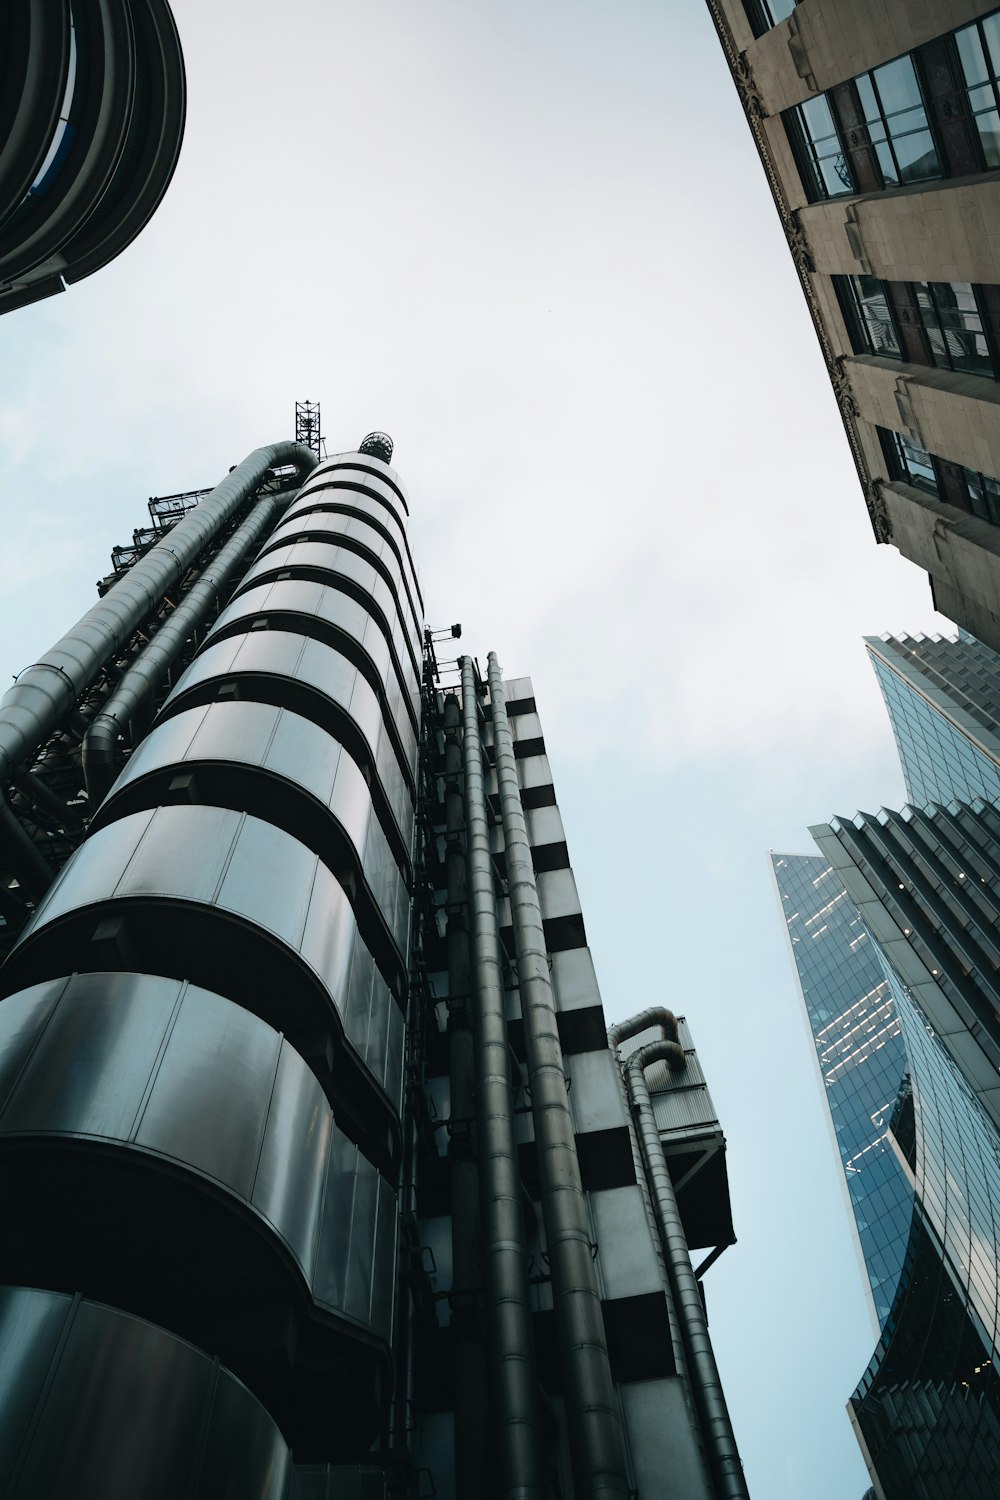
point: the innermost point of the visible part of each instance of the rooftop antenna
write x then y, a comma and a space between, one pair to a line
307, 428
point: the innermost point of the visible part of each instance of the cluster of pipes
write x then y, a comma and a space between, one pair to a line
45, 696
490, 1180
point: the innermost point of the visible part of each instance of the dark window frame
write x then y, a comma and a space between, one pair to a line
847, 294
949, 119
912, 330
992, 81
897, 466
967, 490
760, 16
947, 362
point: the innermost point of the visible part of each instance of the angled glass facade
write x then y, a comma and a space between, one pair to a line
941, 696
893, 932
861, 1057
927, 1410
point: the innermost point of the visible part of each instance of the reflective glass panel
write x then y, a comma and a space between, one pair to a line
830, 166
951, 317
874, 326
897, 123
860, 1055
984, 495
916, 466
979, 54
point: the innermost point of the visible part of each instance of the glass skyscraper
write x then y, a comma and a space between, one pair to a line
942, 698
861, 1057
881, 950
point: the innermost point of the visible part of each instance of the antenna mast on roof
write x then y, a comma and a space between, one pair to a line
307, 428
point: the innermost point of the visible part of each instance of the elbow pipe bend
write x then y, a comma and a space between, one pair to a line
655, 1015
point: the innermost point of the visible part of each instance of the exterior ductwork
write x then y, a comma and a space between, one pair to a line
594, 1429
656, 1015
47, 691
503, 1245
43, 693
146, 673
720, 1441
471, 1376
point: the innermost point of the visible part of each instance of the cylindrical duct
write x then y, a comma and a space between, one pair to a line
47, 691
508, 1309
471, 1374
594, 1433
720, 1441
140, 681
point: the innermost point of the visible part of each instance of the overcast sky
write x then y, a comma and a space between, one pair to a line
534, 243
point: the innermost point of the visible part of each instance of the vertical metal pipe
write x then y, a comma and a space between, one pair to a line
508, 1309
717, 1428
594, 1432
471, 1373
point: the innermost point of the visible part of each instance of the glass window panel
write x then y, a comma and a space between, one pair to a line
833, 174
950, 315
887, 163
916, 464
991, 31
898, 87
971, 56
869, 105
917, 156
988, 125
818, 118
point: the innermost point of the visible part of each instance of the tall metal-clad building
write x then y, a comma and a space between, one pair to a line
92, 104
322, 1175
879, 130
884, 929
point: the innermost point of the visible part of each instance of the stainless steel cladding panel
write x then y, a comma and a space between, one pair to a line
352, 477
368, 473
194, 1115
357, 1246
293, 1156
341, 562
88, 1074
250, 882
328, 607
210, 1088
260, 738
318, 610
327, 499
315, 681
98, 1405
319, 526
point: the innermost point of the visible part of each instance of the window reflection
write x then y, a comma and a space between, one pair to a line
897, 123
951, 317
979, 56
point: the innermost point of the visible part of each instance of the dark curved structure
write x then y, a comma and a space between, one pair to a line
92, 105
